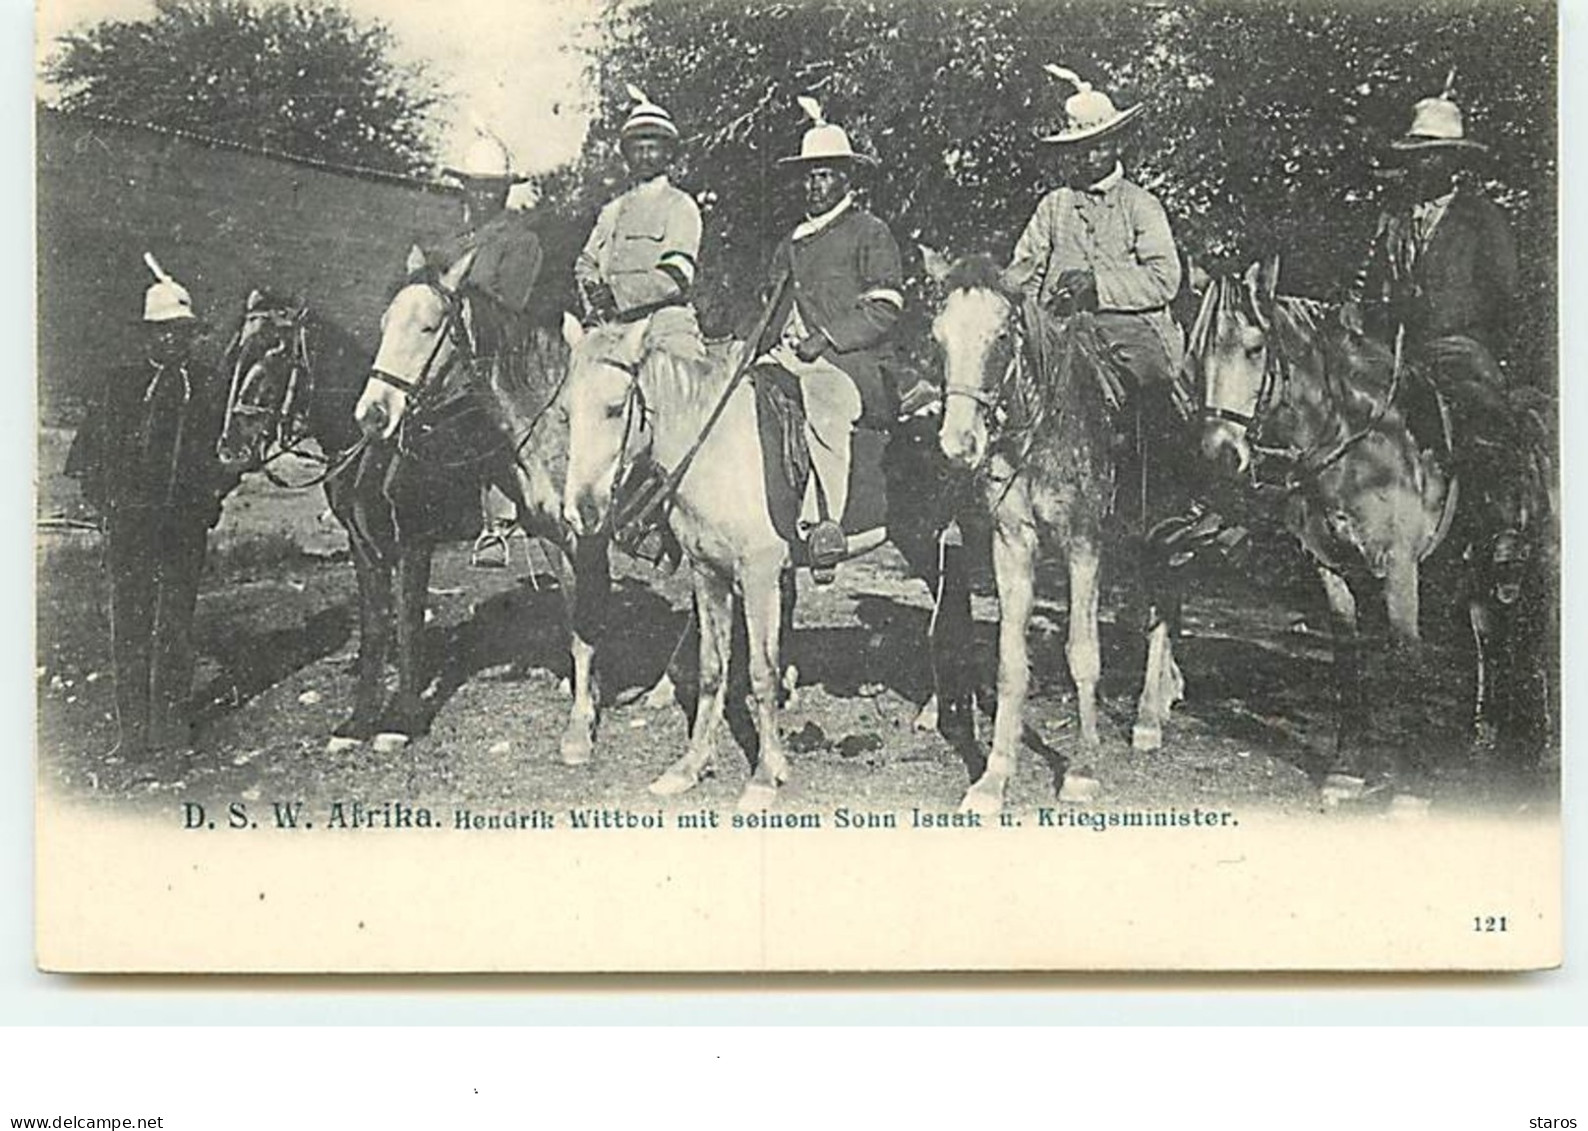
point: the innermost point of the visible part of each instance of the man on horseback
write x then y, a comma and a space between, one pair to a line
1102, 243
833, 326
639, 262
146, 458
506, 266
1441, 276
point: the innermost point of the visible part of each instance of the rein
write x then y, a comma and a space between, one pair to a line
426, 389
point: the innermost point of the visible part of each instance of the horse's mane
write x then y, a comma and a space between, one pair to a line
1357, 372
977, 273
688, 383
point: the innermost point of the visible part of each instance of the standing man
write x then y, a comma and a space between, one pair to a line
639, 262
145, 457
1102, 243
833, 329
506, 265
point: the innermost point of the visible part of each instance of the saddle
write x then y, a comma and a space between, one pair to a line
786, 462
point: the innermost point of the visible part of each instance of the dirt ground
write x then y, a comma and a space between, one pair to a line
277, 635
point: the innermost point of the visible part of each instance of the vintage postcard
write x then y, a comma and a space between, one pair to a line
646, 485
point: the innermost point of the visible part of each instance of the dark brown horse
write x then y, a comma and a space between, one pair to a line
480, 404
1287, 379
1025, 405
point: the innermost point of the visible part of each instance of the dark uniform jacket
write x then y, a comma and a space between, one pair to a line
507, 260
1458, 279
847, 283
149, 442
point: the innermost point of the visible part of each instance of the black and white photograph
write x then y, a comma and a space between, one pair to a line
785, 485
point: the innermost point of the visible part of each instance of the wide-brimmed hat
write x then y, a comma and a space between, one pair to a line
166, 300
1437, 124
647, 119
1089, 114
824, 142
485, 159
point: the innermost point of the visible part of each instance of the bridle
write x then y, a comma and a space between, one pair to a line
1273, 390
454, 329
992, 405
291, 409
426, 391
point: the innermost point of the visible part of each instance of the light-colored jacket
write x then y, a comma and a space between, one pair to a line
644, 245
1117, 231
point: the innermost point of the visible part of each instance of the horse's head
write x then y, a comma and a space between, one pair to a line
604, 411
1229, 356
268, 360
424, 334
977, 329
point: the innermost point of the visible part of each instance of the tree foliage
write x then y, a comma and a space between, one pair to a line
1264, 123
302, 77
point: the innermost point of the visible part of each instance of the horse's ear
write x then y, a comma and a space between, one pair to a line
1268, 279
572, 331
936, 263
416, 261
254, 301
453, 277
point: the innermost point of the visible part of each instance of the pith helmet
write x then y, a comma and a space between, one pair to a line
823, 141
647, 119
1089, 114
166, 300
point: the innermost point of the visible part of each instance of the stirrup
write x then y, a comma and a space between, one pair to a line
825, 546
492, 550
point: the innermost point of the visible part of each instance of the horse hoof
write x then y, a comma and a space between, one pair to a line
1146, 738
1408, 807
341, 744
1078, 788
926, 720
661, 696
1340, 788
983, 798
757, 795
578, 745
389, 741
674, 782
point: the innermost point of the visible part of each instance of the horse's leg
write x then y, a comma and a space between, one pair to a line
1344, 780
1484, 732
405, 716
1405, 681
1082, 649
788, 595
714, 608
952, 706
374, 642
763, 606
586, 582
1162, 685
1014, 553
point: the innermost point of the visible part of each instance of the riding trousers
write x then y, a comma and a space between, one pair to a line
832, 408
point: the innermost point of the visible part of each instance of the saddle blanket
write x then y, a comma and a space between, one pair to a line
786, 463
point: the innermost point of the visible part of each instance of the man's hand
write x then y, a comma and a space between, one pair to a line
600, 302
1079, 286
812, 347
